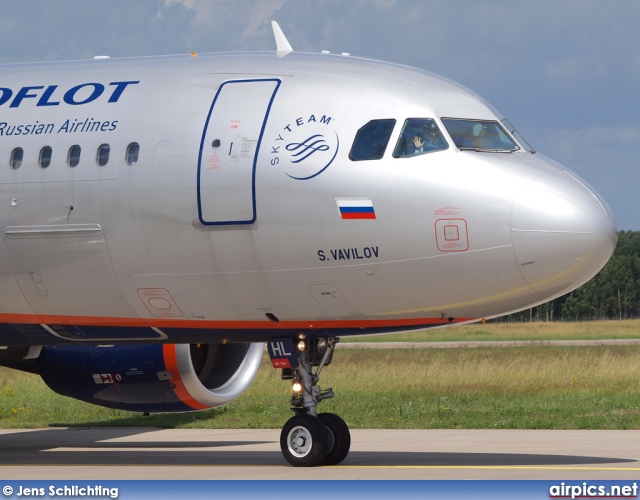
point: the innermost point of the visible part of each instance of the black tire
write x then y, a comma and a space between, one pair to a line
304, 441
340, 438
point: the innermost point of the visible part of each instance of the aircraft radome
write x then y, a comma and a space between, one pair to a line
164, 217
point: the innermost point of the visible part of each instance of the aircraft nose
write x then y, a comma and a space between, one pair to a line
563, 233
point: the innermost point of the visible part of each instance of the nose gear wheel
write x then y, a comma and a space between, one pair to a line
304, 441
340, 438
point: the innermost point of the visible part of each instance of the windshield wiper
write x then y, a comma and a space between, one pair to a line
483, 150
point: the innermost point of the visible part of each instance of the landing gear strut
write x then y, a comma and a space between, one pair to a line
308, 438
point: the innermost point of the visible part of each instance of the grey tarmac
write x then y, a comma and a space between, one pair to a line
148, 453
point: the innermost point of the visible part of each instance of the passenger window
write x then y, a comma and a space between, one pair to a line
132, 153
371, 140
74, 156
16, 158
103, 155
45, 157
419, 136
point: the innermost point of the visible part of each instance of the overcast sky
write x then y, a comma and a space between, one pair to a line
565, 72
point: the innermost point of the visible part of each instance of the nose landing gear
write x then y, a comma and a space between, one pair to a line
308, 438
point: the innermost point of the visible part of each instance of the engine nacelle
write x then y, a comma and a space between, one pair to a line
151, 378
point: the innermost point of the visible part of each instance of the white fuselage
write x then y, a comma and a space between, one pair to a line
243, 237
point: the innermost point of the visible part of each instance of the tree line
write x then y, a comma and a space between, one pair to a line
614, 293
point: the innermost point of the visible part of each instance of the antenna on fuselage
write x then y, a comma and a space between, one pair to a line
282, 44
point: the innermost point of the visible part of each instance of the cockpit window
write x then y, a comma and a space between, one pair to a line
419, 136
479, 135
517, 135
371, 140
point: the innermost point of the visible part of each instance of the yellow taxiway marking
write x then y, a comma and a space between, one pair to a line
440, 467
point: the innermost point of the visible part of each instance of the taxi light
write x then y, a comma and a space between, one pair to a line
322, 346
301, 345
297, 387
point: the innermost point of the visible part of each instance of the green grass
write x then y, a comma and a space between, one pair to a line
532, 387
539, 331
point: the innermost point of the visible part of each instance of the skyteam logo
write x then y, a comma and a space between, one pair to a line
306, 147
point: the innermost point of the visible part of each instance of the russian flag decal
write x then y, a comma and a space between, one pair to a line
356, 208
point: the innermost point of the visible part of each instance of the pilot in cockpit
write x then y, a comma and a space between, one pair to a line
419, 135
433, 140
487, 137
418, 144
